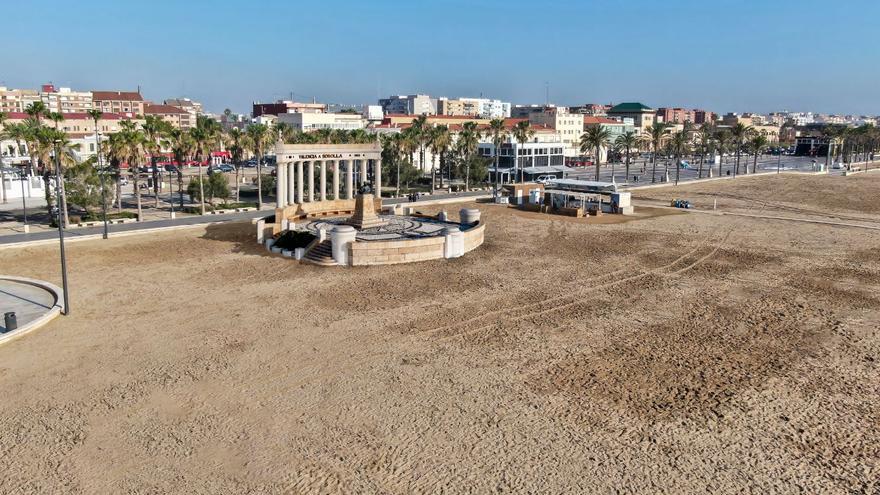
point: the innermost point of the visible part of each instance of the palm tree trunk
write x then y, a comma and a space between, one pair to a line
627, 166
654, 166
467, 177
433, 171
702, 158
677, 169
201, 187
442, 162
598, 156
720, 162
260, 178
755, 163
118, 189
238, 182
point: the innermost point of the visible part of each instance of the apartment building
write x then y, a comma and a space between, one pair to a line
128, 103
675, 115
307, 122
478, 107
177, 117
65, 100
17, 100
643, 116
286, 106
409, 104
569, 126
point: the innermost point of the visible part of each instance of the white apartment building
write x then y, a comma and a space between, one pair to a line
307, 122
478, 107
65, 100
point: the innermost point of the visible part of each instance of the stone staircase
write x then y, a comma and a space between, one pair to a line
320, 254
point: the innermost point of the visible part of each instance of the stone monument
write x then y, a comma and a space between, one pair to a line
365, 216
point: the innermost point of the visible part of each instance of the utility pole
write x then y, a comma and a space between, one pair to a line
62, 206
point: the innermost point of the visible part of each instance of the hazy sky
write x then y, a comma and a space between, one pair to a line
723, 55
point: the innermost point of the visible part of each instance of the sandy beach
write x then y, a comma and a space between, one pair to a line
674, 352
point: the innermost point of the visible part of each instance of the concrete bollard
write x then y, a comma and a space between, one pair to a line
341, 238
322, 234
453, 247
261, 230
298, 253
443, 216
469, 216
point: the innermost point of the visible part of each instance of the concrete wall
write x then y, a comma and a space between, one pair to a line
408, 251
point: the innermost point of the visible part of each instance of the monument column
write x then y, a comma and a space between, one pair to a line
377, 176
281, 184
299, 182
335, 179
349, 179
363, 178
324, 180
291, 189
311, 196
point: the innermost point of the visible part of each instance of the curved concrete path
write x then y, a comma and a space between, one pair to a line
34, 302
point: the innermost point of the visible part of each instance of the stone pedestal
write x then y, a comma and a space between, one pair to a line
469, 216
341, 238
453, 247
365, 216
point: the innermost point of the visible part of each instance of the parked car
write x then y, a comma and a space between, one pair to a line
544, 179
171, 168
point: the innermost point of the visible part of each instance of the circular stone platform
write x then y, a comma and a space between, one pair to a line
395, 227
35, 303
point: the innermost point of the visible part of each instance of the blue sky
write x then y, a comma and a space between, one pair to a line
723, 55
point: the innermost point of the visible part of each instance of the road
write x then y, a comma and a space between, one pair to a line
268, 209
765, 164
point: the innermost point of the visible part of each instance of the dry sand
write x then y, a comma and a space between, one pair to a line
676, 353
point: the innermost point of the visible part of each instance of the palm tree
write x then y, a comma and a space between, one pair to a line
408, 144
757, 145
626, 142
261, 137
57, 118
18, 133
181, 145
155, 130
468, 141
440, 142
96, 114
657, 133
595, 138
204, 136
522, 132
722, 137
132, 145
115, 153
3, 119
740, 132
497, 132
705, 134
421, 133
237, 141
679, 146
37, 111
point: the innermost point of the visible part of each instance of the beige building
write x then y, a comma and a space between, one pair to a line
569, 126
17, 100
177, 117
128, 103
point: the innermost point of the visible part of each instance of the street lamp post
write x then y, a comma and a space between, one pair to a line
60, 200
